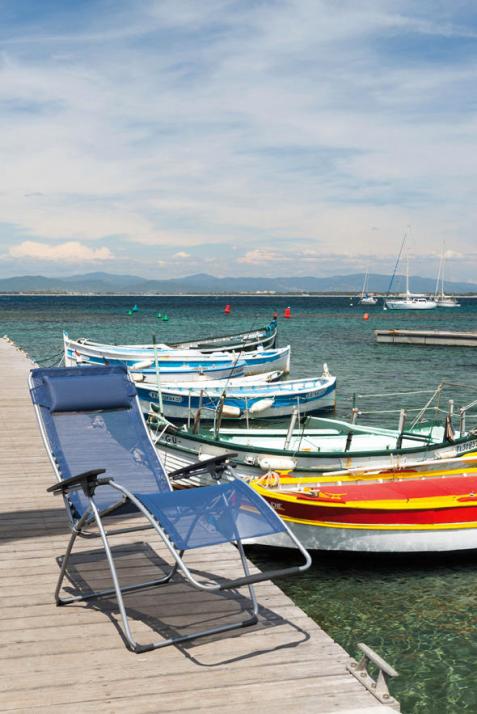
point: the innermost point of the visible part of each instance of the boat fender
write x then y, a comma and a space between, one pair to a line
230, 412
142, 365
261, 405
277, 463
138, 377
269, 480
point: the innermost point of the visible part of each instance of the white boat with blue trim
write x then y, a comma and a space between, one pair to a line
242, 402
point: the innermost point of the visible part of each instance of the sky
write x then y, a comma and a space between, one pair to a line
163, 138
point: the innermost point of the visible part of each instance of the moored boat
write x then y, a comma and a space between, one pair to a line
243, 341
317, 445
242, 402
415, 511
186, 374
408, 300
366, 298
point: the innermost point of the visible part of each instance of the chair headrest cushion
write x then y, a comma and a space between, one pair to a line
83, 392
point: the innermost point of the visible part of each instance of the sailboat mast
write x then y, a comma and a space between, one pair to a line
442, 274
365, 285
439, 273
397, 263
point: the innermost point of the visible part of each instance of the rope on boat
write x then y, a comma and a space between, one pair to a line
395, 394
395, 411
52, 359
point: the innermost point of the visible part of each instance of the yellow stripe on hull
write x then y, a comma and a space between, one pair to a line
383, 527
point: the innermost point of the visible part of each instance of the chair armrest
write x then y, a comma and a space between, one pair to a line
221, 461
86, 478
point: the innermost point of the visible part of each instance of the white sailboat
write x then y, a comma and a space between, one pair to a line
409, 301
365, 298
440, 297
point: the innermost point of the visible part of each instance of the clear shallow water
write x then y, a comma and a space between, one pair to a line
419, 613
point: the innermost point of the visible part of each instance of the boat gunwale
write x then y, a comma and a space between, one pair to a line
282, 389
330, 500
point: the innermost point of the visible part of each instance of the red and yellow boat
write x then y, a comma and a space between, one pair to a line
431, 507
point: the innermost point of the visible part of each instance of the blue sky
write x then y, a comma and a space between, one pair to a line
299, 137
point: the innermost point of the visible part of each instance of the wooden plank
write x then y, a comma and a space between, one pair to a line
72, 659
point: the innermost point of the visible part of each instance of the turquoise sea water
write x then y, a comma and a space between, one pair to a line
420, 612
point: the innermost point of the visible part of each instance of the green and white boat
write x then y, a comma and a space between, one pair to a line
316, 446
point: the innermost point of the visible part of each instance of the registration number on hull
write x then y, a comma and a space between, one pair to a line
467, 446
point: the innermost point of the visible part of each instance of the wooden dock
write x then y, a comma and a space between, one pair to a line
427, 337
73, 660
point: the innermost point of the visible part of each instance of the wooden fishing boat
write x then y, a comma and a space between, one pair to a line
397, 511
185, 374
145, 359
241, 342
317, 445
242, 402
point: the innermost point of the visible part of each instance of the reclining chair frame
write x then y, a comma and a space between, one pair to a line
88, 482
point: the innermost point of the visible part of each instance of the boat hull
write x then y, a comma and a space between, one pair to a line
376, 541
410, 304
422, 514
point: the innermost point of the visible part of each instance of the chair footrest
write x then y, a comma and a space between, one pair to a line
260, 577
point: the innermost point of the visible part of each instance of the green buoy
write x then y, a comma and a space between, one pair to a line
130, 312
165, 318
158, 315
135, 308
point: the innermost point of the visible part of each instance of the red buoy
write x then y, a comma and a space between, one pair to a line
287, 313
365, 316
227, 309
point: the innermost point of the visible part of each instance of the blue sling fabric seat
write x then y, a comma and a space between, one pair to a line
106, 465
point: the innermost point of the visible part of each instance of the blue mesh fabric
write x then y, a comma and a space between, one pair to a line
212, 515
115, 440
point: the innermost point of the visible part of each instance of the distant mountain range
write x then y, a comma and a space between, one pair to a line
203, 283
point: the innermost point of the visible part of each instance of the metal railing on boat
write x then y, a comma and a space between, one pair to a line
430, 413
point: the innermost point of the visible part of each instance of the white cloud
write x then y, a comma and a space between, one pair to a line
70, 252
182, 255
293, 123
261, 256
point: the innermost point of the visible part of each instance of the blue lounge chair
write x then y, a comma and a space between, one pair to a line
107, 465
